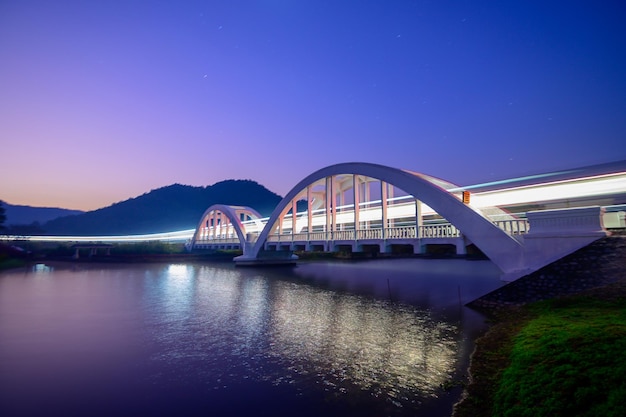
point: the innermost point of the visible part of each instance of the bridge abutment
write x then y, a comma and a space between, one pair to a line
597, 264
554, 234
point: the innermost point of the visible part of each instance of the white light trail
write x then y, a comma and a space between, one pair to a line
182, 235
566, 190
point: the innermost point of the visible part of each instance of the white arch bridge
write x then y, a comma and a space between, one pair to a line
368, 207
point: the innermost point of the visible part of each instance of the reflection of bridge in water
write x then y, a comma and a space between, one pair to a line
365, 207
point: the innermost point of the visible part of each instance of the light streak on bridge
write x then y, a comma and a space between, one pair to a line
179, 236
570, 192
562, 193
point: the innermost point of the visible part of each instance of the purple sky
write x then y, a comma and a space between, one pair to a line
101, 101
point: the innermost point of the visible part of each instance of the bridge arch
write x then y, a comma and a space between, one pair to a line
503, 249
214, 218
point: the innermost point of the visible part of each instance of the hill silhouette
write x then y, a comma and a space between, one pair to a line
25, 215
166, 209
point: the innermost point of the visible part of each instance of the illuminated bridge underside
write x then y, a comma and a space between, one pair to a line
354, 204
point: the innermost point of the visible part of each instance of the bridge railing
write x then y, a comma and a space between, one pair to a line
301, 237
405, 232
367, 234
319, 236
343, 235
438, 231
514, 226
446, 230
217, 241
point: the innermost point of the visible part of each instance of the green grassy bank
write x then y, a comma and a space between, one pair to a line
562, 357
9, 263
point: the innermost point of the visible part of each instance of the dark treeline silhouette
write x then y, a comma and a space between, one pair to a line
171, 208
3, 216
27, 216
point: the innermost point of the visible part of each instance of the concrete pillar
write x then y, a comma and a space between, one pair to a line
356, 187
309, 203
333, 203
419, 221
329, 194
383, 207
460, 246
366, 187
418, 248
383, 247
294, 209
390, 195
342, 201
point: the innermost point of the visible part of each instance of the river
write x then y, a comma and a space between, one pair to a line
326, 338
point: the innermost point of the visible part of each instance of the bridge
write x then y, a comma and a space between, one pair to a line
520, 224
367, 207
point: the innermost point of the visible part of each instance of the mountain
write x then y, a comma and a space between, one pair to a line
25, 215
166, 209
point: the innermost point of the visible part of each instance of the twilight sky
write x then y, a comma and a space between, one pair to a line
101, 101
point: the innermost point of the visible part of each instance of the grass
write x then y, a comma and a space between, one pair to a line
8, 263
561, 357
570, 360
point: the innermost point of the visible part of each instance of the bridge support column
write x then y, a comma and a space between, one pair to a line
419, 222
309, 214
367, 194
383, 208
384, 247
417, 248
329, 193
460, 246
294, 210
357, 199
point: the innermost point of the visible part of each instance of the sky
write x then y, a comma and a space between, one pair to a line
101, 101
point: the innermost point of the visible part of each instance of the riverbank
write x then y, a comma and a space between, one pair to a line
558, 357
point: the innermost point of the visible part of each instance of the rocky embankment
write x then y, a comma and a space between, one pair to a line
598, 264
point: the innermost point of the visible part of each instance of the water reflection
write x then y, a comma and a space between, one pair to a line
351, 344
42, 269
197, 339
289, 333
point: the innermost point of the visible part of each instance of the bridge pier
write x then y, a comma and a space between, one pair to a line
93, 249
461, 248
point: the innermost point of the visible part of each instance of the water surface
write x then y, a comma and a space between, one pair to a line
369, 338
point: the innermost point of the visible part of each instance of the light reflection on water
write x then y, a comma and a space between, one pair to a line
195, 337
351, 343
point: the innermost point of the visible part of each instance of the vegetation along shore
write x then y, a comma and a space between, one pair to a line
558, 357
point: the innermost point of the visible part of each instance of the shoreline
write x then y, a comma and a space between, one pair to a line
492, 350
